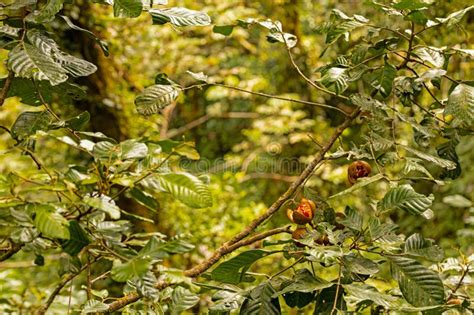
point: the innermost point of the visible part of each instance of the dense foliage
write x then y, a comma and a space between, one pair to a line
326, 165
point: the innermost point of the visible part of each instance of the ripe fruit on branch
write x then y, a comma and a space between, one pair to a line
304, 213
298, 234
357, 170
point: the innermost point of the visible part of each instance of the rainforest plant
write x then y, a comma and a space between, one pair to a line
350, 260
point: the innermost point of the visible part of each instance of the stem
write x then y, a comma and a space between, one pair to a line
6, 87
60, 286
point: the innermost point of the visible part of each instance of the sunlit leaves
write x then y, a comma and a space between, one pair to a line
182, 299
127, 8
419, 285
50, 223
341, 25
45, 61
78, 239
447, 164
404, 197
180, 17
133, 268
412, 4
29, 62
461, 105
261, 301
363, 292
233, 270
155, 98
94, 306
187, 188
416, 245
29, 122
382, 79
335, 77
105, 204
46, 13
455, 17
432, 55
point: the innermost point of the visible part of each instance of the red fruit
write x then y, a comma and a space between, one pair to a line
357, 170
304, 213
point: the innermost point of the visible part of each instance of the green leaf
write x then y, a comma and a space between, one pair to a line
362, 182
431, 54
127, 8
182, 299
50, 223
94, 306
132, 149
180, 17
126, 150
461, 106
105, 204
416, 245
75, 66
353, 219
187, 188
225, 30
28, 123
136, 267
382, 79
29, 62
47, 12
455, 17
412, 4
419, 285
363, 292
155, 98
157, 249
335, 77
79, 121
78, 239
404, 197
447, 164
260, 301
342, 25
144, 199
305, 282
360, 265
10, 31
233, 270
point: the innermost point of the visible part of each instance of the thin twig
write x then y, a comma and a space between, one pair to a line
410, 47
293, 100
338, 285
61, 285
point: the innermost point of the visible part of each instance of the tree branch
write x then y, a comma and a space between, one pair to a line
223, 249
6, 87
236, 241
12, 250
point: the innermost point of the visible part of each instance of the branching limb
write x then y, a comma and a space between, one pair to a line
223, 249
10, 251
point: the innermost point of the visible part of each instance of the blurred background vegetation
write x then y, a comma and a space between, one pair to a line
250, 146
